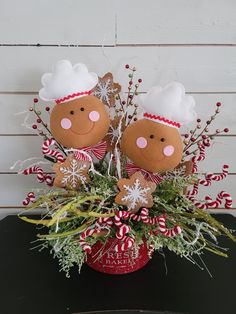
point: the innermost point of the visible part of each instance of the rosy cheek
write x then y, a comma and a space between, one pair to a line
94, 116
141, 142
65, 123
168, 150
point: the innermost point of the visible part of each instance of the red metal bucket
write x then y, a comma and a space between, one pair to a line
105, 259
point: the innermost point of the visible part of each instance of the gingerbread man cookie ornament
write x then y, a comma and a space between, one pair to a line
78, 118
154, 142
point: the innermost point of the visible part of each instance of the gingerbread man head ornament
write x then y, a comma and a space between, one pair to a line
154, 142
78, 118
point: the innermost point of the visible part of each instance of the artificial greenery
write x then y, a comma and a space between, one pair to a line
68, 213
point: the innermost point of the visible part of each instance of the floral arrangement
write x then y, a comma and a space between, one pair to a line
122, 181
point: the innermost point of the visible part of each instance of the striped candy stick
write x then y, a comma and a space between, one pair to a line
35, 169
127, 241
197, 203
47, 151
30, 198
219, 177
168, 232
82, 239
218, 201
161, 220
228, 199
41, 175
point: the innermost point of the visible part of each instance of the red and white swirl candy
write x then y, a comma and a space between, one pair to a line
47, 151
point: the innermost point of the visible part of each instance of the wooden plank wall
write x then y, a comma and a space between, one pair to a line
190, 41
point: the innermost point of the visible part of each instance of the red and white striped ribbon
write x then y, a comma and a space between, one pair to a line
29, 198
131, 168
98, 150
47, 151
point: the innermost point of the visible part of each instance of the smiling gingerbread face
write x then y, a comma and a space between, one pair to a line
80, 122
152, 146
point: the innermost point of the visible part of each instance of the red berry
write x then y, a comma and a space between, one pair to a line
186, 135
47, 108
34, 126
198, 120
218, 104
123, 102
130, 82
208, 122
130, 96
226, 130
135, 119
187, 152
127, 66
204, 136
36, 100
193, 139
140, 80
39, 120
129, 116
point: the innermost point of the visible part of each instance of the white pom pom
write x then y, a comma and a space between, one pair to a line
67, 80
170, 102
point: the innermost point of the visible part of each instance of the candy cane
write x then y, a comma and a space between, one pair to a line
161, 220
218, 201
35, 169
41, 175
120, 214
30, 198
227, 197
194, 191
200, 157
102, 223
87, 233
127, 241
221, 176
51, 152
197, 203
168, 232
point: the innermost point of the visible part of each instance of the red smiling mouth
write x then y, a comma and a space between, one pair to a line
150, 159
77, 133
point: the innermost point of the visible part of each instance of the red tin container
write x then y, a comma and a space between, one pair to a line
105, 259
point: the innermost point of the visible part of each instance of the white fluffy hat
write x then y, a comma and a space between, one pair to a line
169, 105
67, 82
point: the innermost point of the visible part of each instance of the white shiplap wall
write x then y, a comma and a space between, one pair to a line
191, 41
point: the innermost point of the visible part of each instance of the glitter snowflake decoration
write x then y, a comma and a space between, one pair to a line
106, 89
135, 192
71, 173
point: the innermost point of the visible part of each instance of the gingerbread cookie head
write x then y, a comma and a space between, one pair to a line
78, 118
154, 143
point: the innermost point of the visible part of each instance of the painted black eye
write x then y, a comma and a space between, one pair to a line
82, 109
162, 139
72, 112
151, 136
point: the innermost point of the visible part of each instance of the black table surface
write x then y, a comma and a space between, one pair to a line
31, 283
